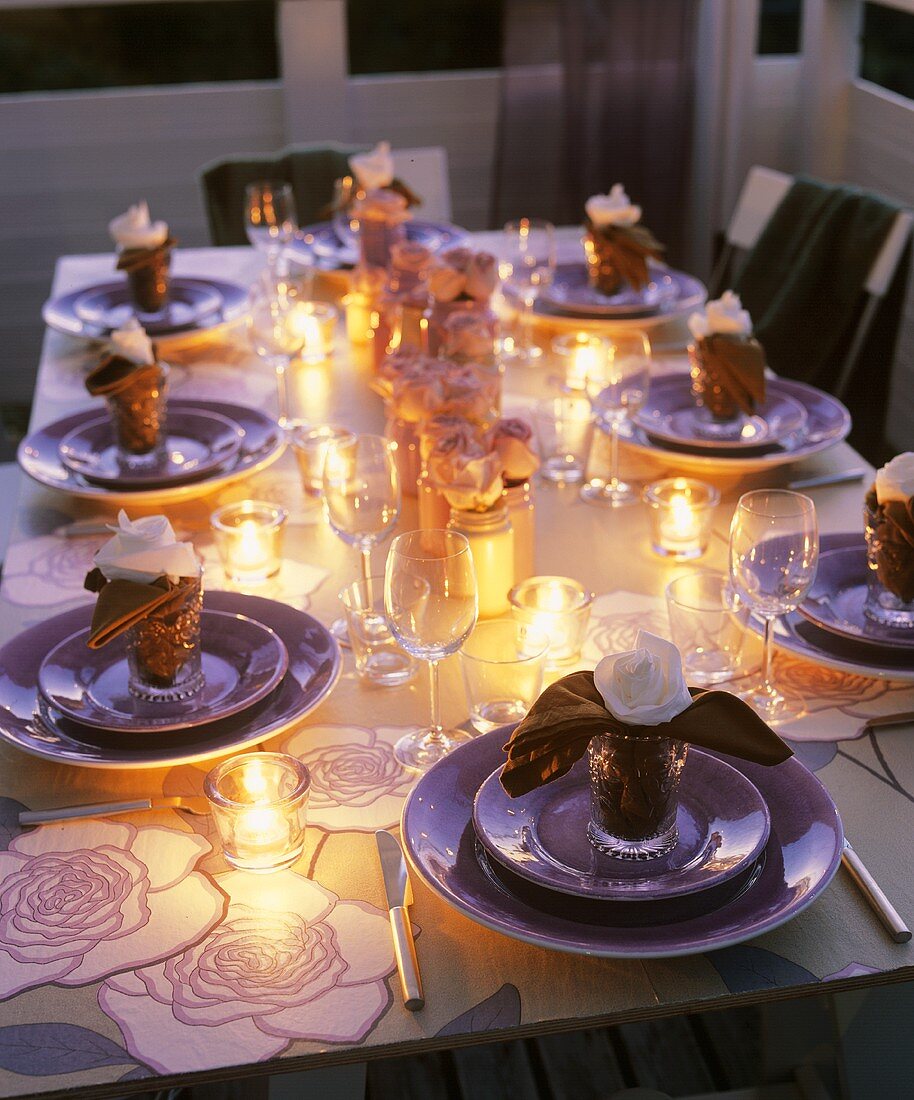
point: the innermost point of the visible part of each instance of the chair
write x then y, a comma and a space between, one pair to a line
312, 170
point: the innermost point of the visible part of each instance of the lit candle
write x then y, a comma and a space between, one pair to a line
681, 510
249, 540
585, 356
358, 317
560, 608
313, 323
261, 834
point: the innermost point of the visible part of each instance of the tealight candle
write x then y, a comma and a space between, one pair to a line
248, 537
681, 511
586, 356
315, 324
259, 803
358, 308
560, 608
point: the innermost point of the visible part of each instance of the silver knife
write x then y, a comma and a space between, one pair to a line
872, 891
840, 477
192, 804
399, 896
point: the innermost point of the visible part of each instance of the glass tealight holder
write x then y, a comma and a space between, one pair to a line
560, 608
309, 444
502, 663
315, 322
259, 803
249, 540
681, 513
585, 357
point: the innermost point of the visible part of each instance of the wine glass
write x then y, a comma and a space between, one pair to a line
774, 551
617, 391
526, 265
276, 329
431, 603
361, 494
270, 221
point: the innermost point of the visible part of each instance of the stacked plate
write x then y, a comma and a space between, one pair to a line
669, 294
794, 422
331, 247
830, 627
756, 846
266, 665
209, 444
193, 304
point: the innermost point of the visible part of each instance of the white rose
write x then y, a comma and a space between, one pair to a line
724, 314
135, 230
613, 209
895, 481
374, 169
644, 687
131, 342
144, 549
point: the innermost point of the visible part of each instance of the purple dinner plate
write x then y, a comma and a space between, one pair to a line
322, 240
670, 416
801, 857
835, 601
668, 291
95, 310
799, 636
261, 444
314, 666
243, 661
198, 442
541, 836
827, 423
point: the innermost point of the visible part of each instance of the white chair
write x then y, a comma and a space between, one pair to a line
761, 194
426, 172
9, 498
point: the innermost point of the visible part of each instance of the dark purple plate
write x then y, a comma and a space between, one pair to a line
198, 443
96, 310
723, 827
669, 292
321, 239
262, 443
835, 601
242, 662
827, 423
802, 856
314, 666
670, 416
797, 635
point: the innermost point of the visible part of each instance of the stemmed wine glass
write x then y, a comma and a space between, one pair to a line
270, 220
431, 603
526, 265
361, 494
276, 329
617, 392
774, 552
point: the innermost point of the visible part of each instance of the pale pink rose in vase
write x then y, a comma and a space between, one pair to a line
475, 484
469, 336
419, 394
444, 426
511, 438
469, 393
481, 276
445, 283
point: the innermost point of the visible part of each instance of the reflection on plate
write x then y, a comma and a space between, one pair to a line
95, 310
314, 666
669, 293
801, 857
242, 662
541, 836
262, 444
835, 601
198, 442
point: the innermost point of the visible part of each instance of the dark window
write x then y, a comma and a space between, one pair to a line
780, 25
887, 48
124, 45
410, 36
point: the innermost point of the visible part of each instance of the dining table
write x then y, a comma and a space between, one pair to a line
180, 969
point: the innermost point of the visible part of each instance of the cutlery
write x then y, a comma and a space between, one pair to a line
399, 897
877, 900
842, 477
191, 804
879, 720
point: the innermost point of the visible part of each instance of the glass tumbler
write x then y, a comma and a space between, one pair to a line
564, 429
502, 663
164, 654
379, 659
707, 625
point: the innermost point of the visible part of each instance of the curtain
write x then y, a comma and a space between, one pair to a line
617, 109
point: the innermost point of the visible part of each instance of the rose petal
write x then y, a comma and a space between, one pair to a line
344, 1015
363, 939
169, 855
280, 893
71, 836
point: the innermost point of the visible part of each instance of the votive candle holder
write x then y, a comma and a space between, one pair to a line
248, 538
315, 323
560, 608
681, 513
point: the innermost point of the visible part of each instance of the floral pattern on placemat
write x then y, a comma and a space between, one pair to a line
48, 570
289, 961
79, 901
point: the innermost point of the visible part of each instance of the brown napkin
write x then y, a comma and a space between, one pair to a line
568, 714
121, 604
115, 374
893, 523
132, 259
396, 184
629, 247
737, 365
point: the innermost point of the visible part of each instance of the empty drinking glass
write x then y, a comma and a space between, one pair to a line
275, 330
502, 663
526, 264
379, 659
270, 220
564, 429
708, 626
